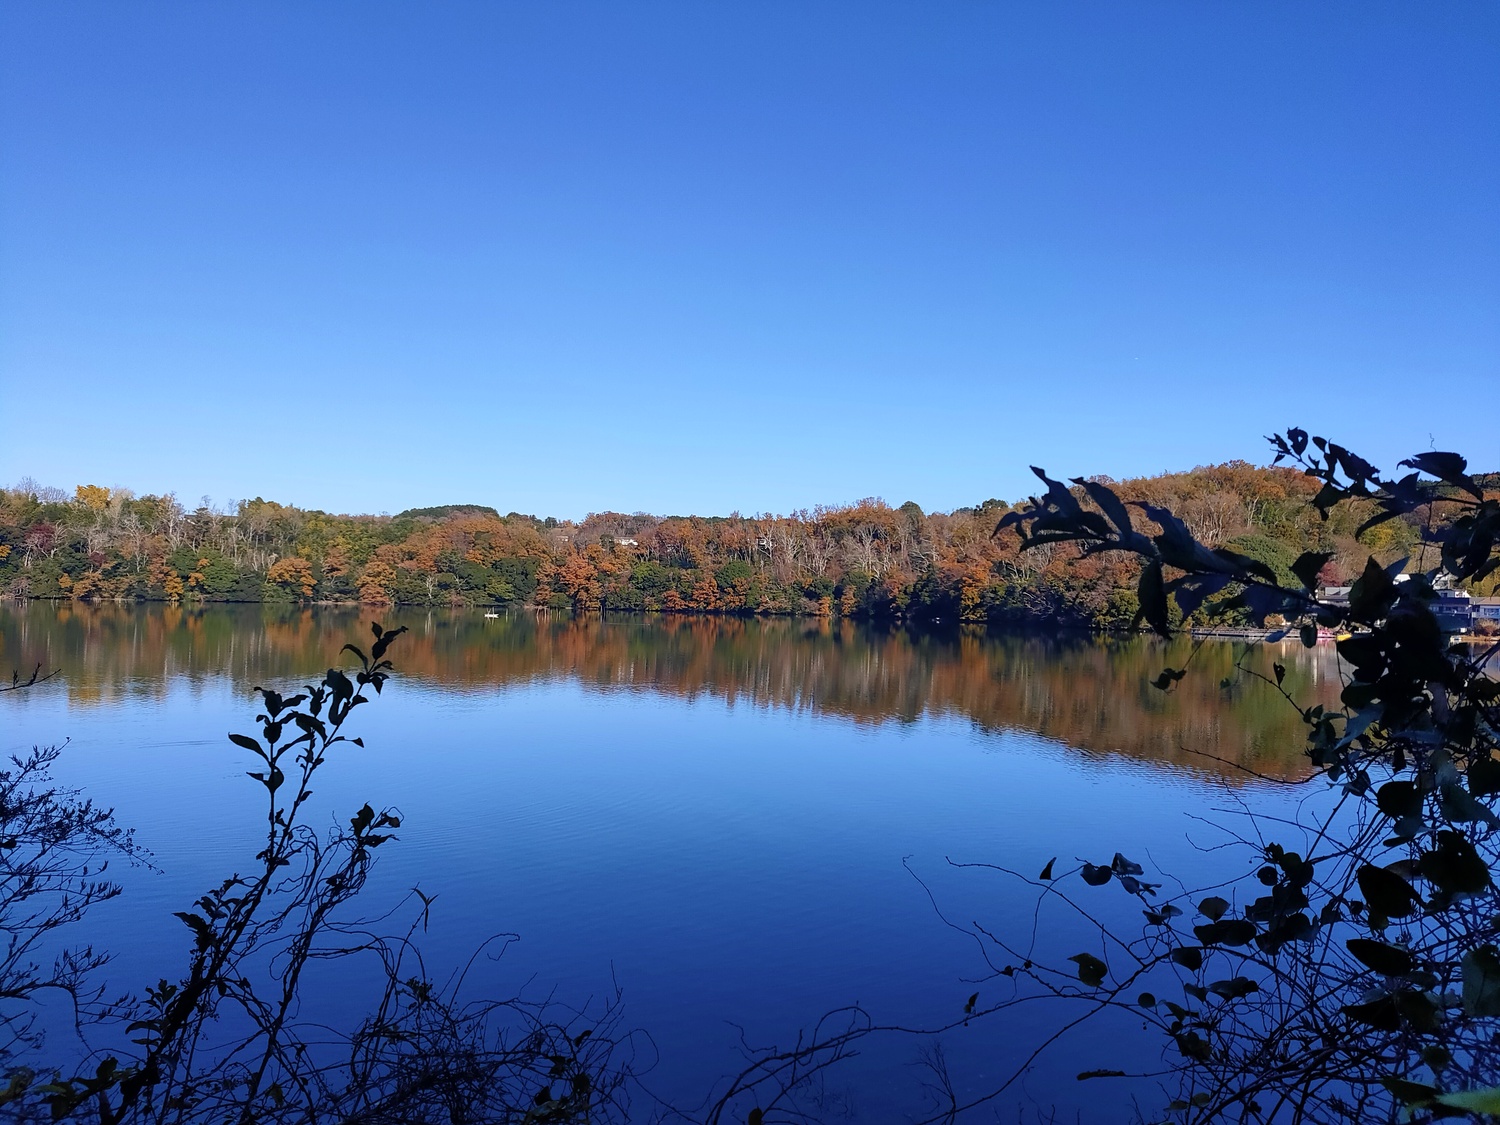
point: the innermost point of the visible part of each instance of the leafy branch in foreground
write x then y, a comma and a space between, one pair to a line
225, 1041
1352, 973
55, 851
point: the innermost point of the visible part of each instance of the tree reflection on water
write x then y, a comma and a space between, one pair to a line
1090, 693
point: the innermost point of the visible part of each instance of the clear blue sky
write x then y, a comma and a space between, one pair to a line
562, 257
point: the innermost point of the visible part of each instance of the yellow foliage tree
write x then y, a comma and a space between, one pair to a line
168, 579
376, 581
294, 574
92, 496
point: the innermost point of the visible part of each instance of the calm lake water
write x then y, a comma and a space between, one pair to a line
712, 813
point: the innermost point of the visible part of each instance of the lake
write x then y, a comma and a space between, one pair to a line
742, 823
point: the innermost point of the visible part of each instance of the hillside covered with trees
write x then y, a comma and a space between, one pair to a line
866, 559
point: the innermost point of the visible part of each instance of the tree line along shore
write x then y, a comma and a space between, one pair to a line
861, 560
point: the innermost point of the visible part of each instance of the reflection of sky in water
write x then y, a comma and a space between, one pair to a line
725, 862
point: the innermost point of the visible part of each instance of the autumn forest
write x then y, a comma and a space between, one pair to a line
861, 560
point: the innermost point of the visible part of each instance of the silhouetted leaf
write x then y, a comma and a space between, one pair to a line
1399, 799
1447, 467
1410, 1093
1386, 892
1109, 504
1152, 594
1418, 1010
1308, 566
1213, 908
1371, 595
1228, 932
1235, 988
362, 820
1122, 866
1192, 590
1460, 808
1168, 677
1091, 970
1379, 1013
1190, 957
1193, 1046
1383, 957
1481, 968
1484, 777
339, 684
1454, 865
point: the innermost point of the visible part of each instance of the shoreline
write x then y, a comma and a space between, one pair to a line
1247, 634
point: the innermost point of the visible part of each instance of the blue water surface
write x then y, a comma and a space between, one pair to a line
736, 864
